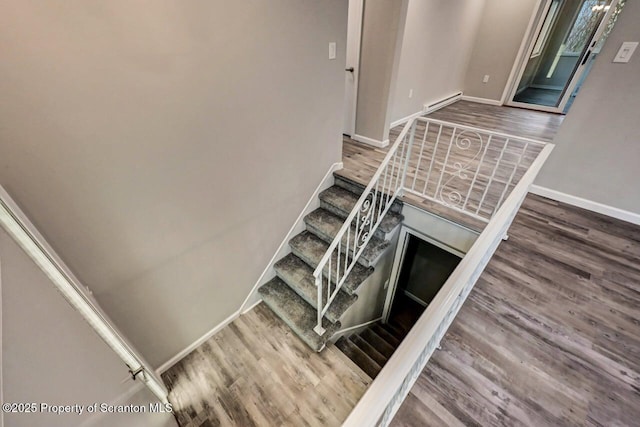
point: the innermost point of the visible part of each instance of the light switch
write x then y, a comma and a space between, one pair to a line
625, 52
332, 50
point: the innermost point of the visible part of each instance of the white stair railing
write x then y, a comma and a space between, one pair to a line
466, 169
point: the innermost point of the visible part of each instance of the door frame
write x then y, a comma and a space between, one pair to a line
352, 59
575, 78
398, 260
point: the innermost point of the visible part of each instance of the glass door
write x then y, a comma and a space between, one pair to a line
559, 53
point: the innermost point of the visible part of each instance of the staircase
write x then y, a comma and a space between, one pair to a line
372, 348
292, 294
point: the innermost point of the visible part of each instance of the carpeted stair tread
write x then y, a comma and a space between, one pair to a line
359, 357
296, 313
310, 248
371, 351
357, 189
299, 276
385, 335
326, 225
378, 343
340, 202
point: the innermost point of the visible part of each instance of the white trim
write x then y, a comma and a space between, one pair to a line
298, 226
370, 141
429, 108
197, 343
481, 100
387, 391
589, 205
406, 119
204, 338
415, 298
344, 331
252, 298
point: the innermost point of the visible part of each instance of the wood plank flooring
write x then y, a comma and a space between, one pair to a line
255, 372
361, 161
549, 336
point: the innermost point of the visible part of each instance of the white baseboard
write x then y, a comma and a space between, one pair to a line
204, 338
406, 119
590, 205
298, 226
370, 141
415, 298
481, 100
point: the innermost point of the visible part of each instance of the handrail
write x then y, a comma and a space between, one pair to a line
463, 174
361, 237
20, 228
385, 394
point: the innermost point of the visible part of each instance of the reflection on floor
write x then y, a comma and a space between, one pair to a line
537, 96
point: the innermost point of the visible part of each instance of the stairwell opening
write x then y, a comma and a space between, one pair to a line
422, 265
424, 268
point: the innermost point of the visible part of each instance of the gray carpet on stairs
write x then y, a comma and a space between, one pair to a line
292, 294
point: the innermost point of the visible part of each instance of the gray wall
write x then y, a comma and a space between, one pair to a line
165, 148
382, 24
598, 146
51, 355
436, 48
498, 40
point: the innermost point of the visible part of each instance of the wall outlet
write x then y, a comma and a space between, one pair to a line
410, 93
332, 50
485, 79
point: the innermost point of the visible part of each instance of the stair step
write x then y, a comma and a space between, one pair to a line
378, 343
299, 276
310, 248
326, 225
357, 189
394, 330
385, 335
359, 357
296, 313
371, 351
340, 202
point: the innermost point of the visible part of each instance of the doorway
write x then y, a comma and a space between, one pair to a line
421, 267
354, 34
566, 42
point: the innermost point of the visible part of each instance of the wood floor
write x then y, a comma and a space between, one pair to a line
255, 372
549, 336
361, 161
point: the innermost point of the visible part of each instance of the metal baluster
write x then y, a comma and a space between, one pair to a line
475, 176
493, 174
346, 253
424, 138
338, 262
319, 329
444, 166
513, 172
433, 158
329, 283
408, 153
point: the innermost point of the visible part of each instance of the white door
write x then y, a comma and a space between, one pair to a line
354, 31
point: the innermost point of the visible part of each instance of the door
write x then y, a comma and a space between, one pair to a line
560, 53
354, 32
